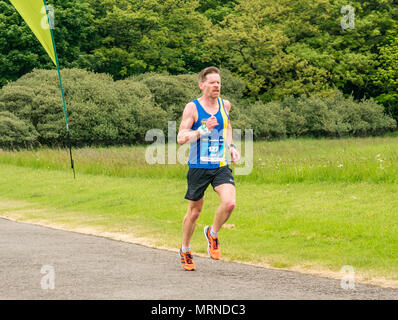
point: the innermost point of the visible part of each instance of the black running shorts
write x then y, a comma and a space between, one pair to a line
199, 180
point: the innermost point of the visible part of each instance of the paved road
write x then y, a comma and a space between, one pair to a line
89, 267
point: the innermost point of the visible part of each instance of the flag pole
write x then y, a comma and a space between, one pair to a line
62, 92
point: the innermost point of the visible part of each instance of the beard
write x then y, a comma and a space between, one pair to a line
214, 94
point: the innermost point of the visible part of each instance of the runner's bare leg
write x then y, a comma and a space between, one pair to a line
189, 222
227, 195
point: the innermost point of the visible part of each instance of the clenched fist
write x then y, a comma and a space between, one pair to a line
211, 123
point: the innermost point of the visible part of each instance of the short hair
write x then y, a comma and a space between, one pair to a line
206, 71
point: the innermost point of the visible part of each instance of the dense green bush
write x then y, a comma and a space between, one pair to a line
15, 133
265, 120
100, 111
338, 116
172, 93
331, 116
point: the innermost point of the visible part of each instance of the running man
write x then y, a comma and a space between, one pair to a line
205, 124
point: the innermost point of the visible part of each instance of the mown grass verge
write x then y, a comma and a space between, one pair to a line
311, 223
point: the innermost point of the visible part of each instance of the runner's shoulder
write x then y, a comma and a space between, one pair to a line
190, 110
190, 106
227, 105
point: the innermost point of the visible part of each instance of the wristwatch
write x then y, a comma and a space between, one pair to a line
232, 145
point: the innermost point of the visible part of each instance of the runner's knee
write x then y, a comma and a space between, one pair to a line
193, 214
230, 205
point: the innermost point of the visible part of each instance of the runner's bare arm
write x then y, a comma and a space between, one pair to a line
227, 106
185, 134
235, 156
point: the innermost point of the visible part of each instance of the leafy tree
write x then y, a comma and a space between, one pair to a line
386, 76
74, 32
21, 52
253, 43
143, 36
299, 47
216, 10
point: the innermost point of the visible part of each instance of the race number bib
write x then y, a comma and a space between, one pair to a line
211, 149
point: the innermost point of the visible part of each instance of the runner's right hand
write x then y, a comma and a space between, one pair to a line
211, 123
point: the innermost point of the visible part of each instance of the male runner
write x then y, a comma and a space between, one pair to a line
205, 124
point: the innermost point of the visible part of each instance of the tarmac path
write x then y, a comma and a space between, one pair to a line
90, 267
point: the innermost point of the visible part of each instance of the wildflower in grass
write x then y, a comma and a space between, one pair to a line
340, 165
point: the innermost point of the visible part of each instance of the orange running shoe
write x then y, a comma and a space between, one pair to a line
213, 244
186, 260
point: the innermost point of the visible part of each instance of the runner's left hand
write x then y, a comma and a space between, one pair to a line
235, 156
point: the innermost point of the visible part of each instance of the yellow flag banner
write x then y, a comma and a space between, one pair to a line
35, 15
34, 12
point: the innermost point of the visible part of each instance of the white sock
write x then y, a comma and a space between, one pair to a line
213, 233
185, 249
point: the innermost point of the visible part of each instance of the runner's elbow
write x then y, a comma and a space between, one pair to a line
181, 140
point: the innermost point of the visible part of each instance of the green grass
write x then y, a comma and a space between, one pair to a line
297, 208
301, 160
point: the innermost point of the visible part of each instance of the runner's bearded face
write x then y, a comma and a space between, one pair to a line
212, 86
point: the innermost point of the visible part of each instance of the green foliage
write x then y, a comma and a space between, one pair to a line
265, 120
252, 43
276, 47
293, 47
232, 86
100, 111
333, 116
216, 10
172, 93
386, 77
144, 36
74, 31
15, 133
21, 52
